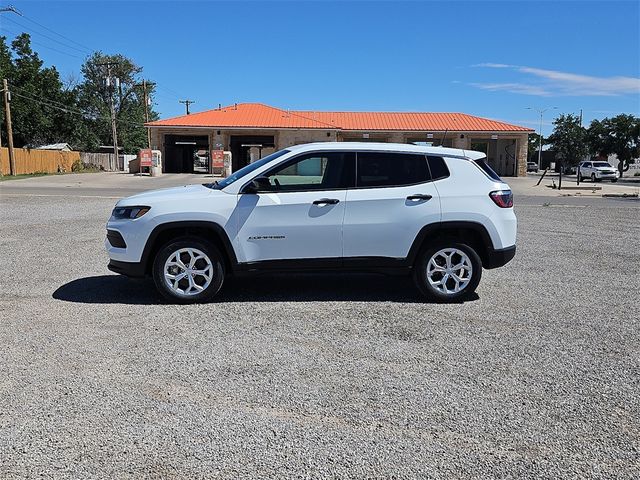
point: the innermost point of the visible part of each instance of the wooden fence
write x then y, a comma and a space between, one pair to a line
103, 161
35, 161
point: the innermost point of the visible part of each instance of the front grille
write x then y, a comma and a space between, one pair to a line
115, 239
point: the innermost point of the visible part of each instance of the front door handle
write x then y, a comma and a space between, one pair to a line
419, 196
326, 201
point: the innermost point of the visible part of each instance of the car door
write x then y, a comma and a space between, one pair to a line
393, 199
298, 211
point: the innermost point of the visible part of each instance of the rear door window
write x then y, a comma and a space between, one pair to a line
389, 169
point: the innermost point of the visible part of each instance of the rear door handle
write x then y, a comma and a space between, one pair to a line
419, 196
326, 201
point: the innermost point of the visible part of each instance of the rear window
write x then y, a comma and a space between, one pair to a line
484, 166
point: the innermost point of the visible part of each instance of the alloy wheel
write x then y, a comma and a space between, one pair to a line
449, 271
188, 272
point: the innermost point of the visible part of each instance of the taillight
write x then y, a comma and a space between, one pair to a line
502, 198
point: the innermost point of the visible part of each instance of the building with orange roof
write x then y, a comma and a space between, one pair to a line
252, 130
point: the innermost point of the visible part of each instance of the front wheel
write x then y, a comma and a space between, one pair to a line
447, 271
614, 180
188, 270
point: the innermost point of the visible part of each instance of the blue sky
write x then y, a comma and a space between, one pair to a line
491, 59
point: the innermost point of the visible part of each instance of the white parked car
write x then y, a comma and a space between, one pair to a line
597, 171
437, 213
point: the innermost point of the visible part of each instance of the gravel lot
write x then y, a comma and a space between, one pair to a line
321, 377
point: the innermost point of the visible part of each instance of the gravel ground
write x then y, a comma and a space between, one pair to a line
321, 377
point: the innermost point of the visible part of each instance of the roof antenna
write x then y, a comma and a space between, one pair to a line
444, 137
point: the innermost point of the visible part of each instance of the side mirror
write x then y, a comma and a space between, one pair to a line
258, 184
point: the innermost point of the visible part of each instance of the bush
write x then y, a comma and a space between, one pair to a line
80, 167
77, 166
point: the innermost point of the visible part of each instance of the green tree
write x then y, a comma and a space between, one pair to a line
534, 144
40, 105
94, 93
568, 140
619, 135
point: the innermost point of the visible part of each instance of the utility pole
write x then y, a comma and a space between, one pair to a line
7, 112
541, 112
7, 107
114, 131
187, 103
147, 102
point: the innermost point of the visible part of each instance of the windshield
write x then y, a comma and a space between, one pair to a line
245, 171
601, 164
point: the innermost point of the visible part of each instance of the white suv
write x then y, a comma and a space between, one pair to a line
440, 214
597, 171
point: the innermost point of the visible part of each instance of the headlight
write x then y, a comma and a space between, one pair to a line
123, 213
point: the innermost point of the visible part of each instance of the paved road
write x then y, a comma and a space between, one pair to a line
320, 377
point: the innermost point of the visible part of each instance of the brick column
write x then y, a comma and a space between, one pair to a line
522, 148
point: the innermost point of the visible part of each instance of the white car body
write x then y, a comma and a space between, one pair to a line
597, 170
368, 226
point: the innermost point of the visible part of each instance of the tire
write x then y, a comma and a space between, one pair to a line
438, 251
199, 266
614, 180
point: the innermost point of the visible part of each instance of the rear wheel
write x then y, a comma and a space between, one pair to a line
614, 180
188, 270
447, 271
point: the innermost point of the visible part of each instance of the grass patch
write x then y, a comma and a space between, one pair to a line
43, 174
23, 175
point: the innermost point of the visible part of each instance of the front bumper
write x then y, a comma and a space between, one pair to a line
606, 175
130, 269
500, 257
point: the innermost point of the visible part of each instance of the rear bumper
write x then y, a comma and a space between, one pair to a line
498, 258
130, 269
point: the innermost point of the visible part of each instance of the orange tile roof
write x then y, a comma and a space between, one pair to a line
258, 115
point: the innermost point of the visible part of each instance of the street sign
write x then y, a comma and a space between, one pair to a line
146, 157
217, 158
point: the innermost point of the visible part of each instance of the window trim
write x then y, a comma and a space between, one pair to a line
354, 186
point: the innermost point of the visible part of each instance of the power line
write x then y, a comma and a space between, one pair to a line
83, 50
61, 107
56, 33
174, 94
43, 45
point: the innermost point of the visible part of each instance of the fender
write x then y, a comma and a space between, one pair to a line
195, 226
432, 230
